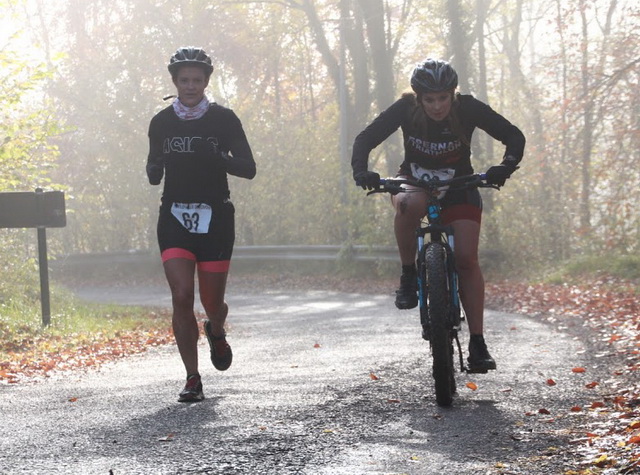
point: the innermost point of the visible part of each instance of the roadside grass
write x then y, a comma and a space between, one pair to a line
612, 271
79, 335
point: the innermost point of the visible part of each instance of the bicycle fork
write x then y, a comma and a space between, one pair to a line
422, 298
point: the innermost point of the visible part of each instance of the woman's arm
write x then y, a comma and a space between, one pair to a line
239, 160
375, 133
155, 160
500, 129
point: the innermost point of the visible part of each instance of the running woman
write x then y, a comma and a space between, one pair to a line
194, 144
437, 124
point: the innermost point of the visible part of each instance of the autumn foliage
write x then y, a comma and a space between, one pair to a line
611, 311
32, 356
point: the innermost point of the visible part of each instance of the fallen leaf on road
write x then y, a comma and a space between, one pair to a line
601, 461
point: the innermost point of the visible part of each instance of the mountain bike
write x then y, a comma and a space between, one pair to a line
438, 298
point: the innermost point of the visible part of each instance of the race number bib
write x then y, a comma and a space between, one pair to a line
195, 217
427, 175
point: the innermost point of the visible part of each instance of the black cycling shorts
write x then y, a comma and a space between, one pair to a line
211, 249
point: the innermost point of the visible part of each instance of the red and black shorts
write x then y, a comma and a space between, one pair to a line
461, 204
211, 249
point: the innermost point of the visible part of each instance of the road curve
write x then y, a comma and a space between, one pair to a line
299, 398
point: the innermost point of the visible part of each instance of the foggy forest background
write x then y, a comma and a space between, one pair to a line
81, 79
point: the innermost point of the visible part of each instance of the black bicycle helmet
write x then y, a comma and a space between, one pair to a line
190, 55
433, 75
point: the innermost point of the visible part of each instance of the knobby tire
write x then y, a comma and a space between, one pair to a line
437, 295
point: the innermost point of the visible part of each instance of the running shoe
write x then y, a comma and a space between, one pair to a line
221, 354
192, 391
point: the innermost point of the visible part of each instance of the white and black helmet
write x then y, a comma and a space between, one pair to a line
433, 75
192, 56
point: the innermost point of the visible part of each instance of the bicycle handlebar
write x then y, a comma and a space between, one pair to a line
394, 185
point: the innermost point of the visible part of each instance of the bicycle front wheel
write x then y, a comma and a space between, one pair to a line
436, 290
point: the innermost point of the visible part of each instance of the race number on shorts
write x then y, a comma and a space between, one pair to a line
195, 217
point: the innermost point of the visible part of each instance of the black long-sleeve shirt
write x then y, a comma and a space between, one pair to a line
196, 174
441, 148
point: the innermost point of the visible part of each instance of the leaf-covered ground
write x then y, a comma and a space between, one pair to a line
605, 312
32, 357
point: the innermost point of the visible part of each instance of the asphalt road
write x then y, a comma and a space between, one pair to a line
300, 399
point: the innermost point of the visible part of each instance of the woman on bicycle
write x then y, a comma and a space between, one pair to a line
194, 144
437, 124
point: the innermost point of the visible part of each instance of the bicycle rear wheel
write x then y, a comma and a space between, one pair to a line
436, 290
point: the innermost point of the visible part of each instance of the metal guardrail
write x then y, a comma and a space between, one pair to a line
258, 253
323, 253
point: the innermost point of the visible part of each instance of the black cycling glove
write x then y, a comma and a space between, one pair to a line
498, 174
367, 180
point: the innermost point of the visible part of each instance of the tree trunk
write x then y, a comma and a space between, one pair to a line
458, 45
384, 89
587, 131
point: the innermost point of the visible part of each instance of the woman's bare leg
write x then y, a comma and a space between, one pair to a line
180, 276
467, 236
